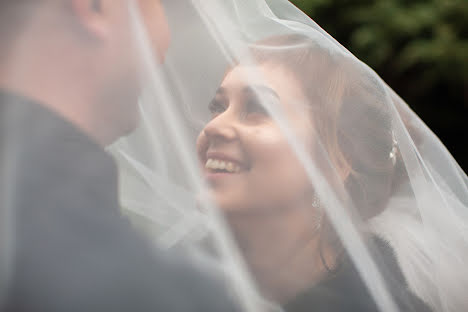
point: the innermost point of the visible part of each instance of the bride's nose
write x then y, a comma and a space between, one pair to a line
222, 127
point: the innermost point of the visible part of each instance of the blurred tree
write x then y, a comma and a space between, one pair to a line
419, 47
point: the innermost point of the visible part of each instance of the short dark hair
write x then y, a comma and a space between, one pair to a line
14, 16
14, 13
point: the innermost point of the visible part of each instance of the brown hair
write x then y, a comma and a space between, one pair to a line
350, 114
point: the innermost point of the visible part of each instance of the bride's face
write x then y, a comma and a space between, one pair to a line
246, 158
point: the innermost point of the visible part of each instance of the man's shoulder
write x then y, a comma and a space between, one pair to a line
74, 250
109, 267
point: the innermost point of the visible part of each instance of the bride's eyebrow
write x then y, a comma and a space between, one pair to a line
258, 88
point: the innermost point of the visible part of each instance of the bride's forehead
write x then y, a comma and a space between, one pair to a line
269, 75
245, 75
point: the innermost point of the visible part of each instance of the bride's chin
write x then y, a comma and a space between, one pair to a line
228, 205
210, 198
222, 198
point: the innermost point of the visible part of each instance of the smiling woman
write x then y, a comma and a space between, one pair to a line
242, 132
312, 185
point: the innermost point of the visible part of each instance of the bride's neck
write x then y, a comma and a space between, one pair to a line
281, 249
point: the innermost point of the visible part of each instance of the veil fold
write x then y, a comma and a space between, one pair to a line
406, 188
272, 155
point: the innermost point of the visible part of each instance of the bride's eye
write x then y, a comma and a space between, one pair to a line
217, 107
254, 108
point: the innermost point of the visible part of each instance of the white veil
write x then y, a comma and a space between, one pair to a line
375, 177
423, 210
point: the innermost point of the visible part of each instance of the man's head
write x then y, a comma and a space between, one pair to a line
80, 58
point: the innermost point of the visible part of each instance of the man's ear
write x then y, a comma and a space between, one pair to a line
91, 16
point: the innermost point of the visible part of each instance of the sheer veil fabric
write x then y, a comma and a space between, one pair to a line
374, 167
275, 157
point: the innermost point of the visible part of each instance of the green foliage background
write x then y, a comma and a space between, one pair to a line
419, 47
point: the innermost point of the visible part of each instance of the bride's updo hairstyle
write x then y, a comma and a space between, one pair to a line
347, 109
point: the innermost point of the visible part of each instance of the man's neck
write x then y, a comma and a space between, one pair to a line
58, 103
48, 65
54, 88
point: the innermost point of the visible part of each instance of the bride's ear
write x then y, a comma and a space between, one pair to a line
92, 17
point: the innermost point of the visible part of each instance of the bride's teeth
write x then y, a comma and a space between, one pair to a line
222, 165
216, 164
209, 163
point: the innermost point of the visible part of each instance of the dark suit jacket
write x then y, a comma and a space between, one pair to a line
73, 251
345, 291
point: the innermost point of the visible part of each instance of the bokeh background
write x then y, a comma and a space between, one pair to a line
419, 47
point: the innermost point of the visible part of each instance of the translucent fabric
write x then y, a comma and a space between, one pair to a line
272, 155
304, 154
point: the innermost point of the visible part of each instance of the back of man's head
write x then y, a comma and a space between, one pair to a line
78, 57
17, 19
14, 14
